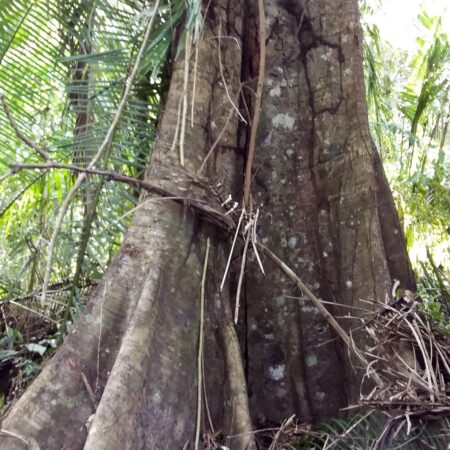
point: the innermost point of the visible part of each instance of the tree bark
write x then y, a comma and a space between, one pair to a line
137, 342
327, 211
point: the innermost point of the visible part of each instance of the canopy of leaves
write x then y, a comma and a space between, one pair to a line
63, 71
408, 98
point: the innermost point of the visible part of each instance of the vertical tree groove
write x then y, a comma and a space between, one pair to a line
326, 210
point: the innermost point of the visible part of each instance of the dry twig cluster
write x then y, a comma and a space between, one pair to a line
412, 356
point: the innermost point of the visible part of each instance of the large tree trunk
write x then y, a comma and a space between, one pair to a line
327, 211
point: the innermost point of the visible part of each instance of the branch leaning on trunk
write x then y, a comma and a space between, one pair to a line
225, 222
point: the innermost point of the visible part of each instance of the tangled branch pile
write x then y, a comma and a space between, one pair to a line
412, 355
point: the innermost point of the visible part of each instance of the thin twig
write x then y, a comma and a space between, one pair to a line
99, 342
194, 86
236, 235
187, 51
208, 413
201, 206
254, 241
256, 113
241, 277
49, 319
219, 137
20, 134
175, 136
223, 76
20, 438
89, 390
200, 349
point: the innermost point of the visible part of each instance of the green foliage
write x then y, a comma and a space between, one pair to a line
19, 360
371, 430
434, 290
356, 432
408, 98
63, 69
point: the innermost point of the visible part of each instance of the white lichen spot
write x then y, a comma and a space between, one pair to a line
316, 285
275, 91
280, 300
319, 395
349, 284
292, 242
213, 125
311, 361
276, 372
283, 242
326, 55
325, 254
310, 309
395, 231
283, 83
156, 397
283, 121
290, 152
280, 69
269, 336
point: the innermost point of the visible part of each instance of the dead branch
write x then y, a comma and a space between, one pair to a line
20, 134
209, 213
89, 390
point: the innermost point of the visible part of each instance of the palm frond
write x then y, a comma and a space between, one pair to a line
63, 71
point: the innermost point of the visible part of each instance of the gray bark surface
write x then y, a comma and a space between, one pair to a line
326, 210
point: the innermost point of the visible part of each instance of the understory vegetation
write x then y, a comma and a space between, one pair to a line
63, 72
